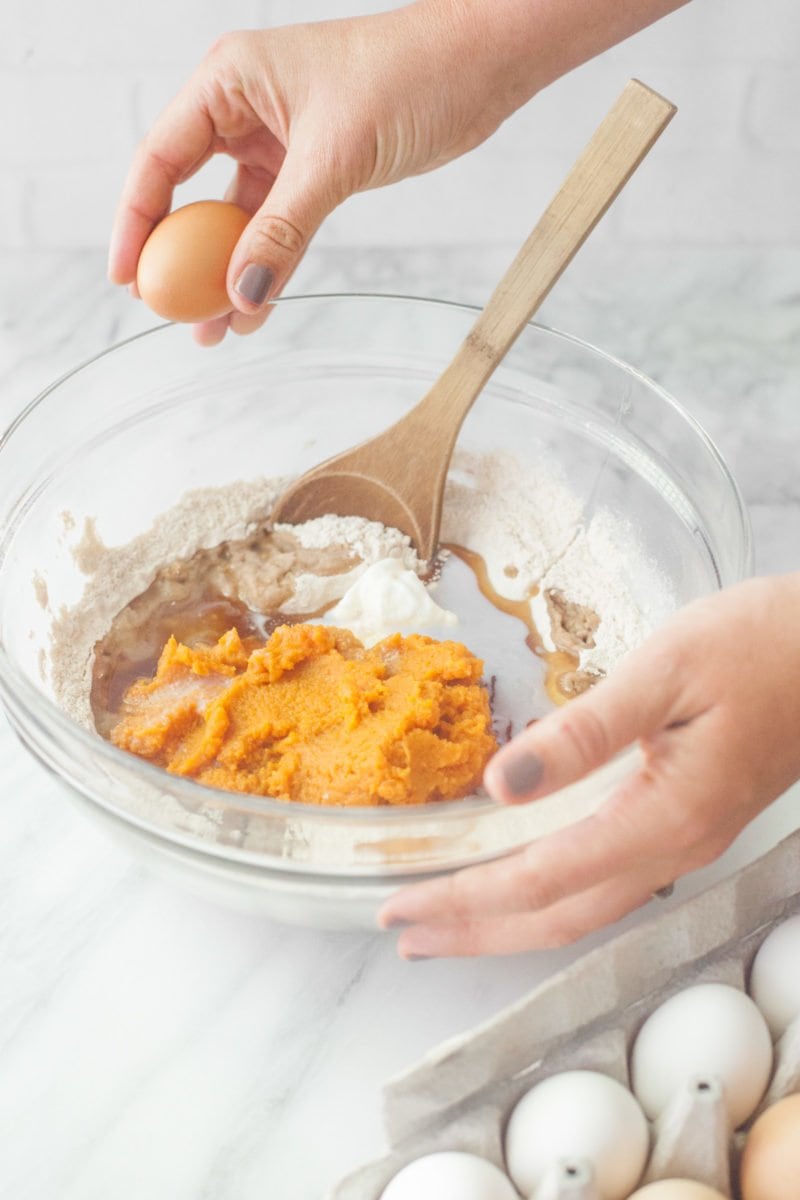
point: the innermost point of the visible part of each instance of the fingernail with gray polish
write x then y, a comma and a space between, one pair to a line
522, 773
397, 923
255, 282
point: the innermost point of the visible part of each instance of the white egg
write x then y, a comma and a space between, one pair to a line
707, 1031
449, 1175
677, 1189
775, 976
578, 1115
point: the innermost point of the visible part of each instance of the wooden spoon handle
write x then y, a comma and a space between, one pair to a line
609, 159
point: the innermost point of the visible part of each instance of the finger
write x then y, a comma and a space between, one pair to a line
559, 925
491, 889
249, 187
274, 242
637, 824
242, 325
642, 697
211, 333
664, 818
178, 144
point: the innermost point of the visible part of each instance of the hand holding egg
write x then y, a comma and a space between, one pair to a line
311, 114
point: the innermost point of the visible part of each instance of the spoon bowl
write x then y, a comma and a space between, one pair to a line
398, 477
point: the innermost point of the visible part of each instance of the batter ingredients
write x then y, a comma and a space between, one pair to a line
313, 716
549, 597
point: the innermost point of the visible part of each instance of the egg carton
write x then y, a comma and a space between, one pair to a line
460, 1096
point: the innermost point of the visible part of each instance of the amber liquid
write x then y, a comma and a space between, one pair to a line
558, 663
192, 620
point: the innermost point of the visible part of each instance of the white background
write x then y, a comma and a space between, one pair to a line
81, 81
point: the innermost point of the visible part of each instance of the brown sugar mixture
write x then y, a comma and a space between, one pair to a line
572, 628
312, 716
199, 598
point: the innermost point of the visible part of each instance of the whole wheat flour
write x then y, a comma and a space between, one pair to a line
594, 592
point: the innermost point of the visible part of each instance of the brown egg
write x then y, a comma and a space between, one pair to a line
677, 1189
770, 1167
184, 262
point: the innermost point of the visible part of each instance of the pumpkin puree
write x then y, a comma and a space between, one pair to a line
313, 716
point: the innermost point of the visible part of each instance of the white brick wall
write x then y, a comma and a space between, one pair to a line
80, 82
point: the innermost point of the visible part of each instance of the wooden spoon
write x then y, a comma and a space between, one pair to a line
398, 477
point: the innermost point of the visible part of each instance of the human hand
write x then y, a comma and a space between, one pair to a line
311, 114
714, 699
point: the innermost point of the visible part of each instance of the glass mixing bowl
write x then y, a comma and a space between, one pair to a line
122, 438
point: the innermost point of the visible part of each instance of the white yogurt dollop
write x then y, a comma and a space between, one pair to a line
387, 598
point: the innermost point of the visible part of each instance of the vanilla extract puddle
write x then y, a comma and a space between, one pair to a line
559, 664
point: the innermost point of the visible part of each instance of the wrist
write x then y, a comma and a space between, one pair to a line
495, 46
524, 45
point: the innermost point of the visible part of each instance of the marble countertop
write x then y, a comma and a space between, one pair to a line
154, 1045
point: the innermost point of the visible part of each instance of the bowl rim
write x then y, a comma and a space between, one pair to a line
13, 682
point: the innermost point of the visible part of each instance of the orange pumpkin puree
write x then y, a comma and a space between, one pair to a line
313, 716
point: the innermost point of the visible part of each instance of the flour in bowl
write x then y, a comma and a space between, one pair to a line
585, 591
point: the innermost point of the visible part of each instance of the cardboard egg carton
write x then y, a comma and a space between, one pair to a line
459, 1097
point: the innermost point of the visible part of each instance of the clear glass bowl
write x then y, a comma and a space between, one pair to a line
123, 437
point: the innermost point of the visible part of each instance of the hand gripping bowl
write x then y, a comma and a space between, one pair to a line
123, 437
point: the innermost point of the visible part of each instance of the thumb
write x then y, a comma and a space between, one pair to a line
639, 700
273, 243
